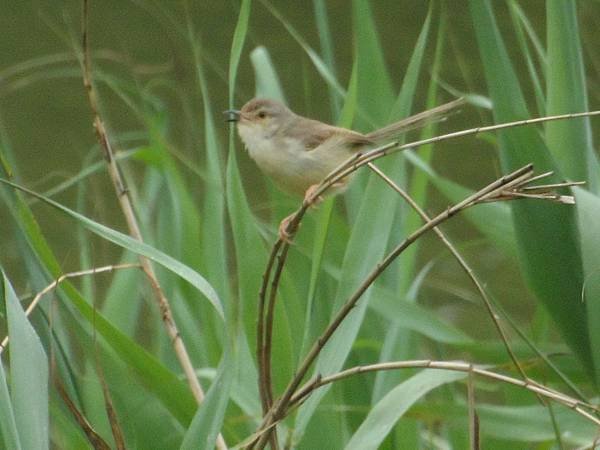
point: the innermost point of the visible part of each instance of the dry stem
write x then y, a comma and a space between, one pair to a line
470, 273
55, 283
507, 184
134, 230
459, 366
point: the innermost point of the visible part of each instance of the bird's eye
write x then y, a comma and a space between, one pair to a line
262, 114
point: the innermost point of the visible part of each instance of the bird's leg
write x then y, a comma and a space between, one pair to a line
285, 234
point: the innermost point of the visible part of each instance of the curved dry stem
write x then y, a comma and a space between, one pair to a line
493, 190
269, 327
543, 189
263, 387
38, 297
461, 261
583, 408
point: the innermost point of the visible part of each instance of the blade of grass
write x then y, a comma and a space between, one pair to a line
372, 71
570, 141
356, 263
547, 234
249, 252
381, 419
185, 272
414, 317
267, 81
521, 22
588, 208
327, 50
208, 420
28, 374
8, 425
398, 341
215, 258
317, 61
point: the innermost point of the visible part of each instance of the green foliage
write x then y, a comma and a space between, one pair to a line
209, 221
25, 413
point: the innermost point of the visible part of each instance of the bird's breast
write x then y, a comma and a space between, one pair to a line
287, 161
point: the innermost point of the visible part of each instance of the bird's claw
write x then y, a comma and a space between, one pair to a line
285, 233
309, 197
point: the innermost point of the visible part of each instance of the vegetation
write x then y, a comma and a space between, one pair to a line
448, 299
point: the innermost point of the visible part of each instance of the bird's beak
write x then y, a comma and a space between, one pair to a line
233, 115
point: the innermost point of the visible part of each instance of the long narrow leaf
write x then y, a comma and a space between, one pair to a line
185, 272
267, 81
588, 207
547, 233
392, 407
570, 141
208, 421
249, 252
28, 375
358, 263
8, 425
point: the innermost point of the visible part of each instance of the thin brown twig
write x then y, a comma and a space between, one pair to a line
461, 261
577, 405
111, 413
473, 417
318, 381
269, 324
264, 339
93, 437
260, 331
516, 178
361, 159
55, 283
132, 224
554, 185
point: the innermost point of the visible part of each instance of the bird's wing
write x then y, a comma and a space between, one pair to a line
320, 132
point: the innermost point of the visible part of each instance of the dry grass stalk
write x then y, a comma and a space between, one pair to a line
66, 276
134, 230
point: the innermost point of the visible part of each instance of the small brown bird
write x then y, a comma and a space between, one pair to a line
297, 152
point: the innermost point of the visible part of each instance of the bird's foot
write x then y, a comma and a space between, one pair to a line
309, 197
285, 233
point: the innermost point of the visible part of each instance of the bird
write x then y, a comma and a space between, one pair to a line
297, 152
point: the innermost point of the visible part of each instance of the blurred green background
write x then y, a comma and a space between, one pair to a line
151, 101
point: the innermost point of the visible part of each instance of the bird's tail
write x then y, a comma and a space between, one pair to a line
419, 120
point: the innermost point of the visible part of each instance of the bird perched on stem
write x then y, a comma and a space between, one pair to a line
298, 153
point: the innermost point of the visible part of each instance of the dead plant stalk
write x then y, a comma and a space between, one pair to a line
502, 188
134, 230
